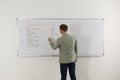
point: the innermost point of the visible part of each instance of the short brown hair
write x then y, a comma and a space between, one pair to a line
64, 27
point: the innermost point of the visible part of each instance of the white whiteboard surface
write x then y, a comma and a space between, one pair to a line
33, 35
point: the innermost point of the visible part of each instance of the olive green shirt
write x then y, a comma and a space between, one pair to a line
67, 45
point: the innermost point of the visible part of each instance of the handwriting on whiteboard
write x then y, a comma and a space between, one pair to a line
34, 33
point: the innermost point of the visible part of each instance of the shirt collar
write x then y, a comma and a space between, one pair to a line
65, 33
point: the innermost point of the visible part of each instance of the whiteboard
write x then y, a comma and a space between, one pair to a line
33, 35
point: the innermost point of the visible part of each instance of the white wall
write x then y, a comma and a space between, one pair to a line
13, 67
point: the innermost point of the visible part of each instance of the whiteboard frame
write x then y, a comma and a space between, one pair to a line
56, 19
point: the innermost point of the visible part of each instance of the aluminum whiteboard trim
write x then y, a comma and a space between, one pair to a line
60, 18
38, 55
17, 35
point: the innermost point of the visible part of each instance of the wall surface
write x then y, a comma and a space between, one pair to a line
13, 67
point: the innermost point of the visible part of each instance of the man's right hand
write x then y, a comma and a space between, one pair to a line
49, 39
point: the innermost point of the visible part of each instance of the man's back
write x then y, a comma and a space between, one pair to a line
67, 49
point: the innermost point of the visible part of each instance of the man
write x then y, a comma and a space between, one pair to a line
67, 45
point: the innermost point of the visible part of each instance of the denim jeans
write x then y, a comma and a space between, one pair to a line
63, 70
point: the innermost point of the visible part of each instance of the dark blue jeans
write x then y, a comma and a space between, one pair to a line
63, 70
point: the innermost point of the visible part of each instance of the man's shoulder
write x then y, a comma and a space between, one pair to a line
72, 35
67, 35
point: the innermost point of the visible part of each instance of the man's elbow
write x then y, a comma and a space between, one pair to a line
54, 48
